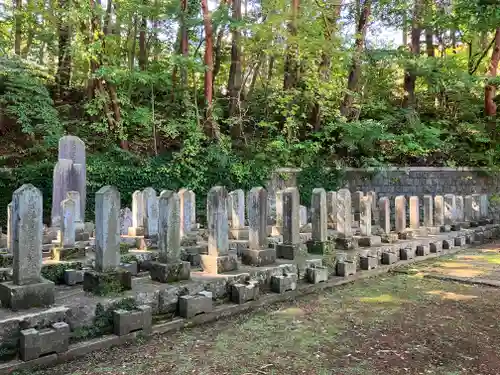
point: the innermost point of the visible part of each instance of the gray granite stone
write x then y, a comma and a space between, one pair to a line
414, 213
400, 204
68, 223
34, 343
236, 209
151, 212
438, 210
125, 321
244, 292
190, 306
428, 211
107, 239
283, 283
384, 208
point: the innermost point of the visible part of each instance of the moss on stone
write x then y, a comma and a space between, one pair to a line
55, 272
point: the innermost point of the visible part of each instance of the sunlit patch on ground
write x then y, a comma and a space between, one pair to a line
383, 298
451, 296
458, 272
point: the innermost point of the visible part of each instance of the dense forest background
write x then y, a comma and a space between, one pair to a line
171, 93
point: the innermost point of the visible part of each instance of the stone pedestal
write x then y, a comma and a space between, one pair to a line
346, 243
406, 253
368, 262
368, 241
170, 272
423, 250
346, 268
389, 237
239, 234
287, 251
433, 230
103, 283
406, 234
21, 297
389, 258
317, 275
219, 264
260, 257
319, 247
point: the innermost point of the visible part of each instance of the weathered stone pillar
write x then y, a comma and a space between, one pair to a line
459, 208
384, 207
137, 228
27, 288
375, 212
449, 209
258, 252
186, 210
219, 259
150, 212
63, 182
10, 218
291, 225
237, 208
319, 243
107, 245
428, 211
79, 224
439, 211
344, 220
170, 267
476, 210
414, 213
193, 209
365, 224
125, 220
400, 217
356, 204
303, 215
331, 209
484, 206
68, 227
468, 208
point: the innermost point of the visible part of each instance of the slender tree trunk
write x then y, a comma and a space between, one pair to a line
184, 42
234, 82
133, 44
209, 63
429, 42
410, 75
18, 26
291, 72
63, 75
405, 29
490, 107
143, 53
355, 72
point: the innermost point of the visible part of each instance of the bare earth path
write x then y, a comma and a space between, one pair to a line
395, 324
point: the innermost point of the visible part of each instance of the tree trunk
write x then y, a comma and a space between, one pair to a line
405, 29
490, 107
234, 82
410, 74
143, 53
429, 42
63, 75
291, 70
355, 73
18, 27
184, 42
208, 59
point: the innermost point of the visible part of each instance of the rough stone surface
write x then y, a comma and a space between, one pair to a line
170, 272
365, 216
284, 283
73, 277
236, 210
400, 204
185, 210
258, 257
68, 227
219, 264
302, 215
22, 297
346, 268
316, 275
169, 229
344, 215
102, 283
287, 251
319, 215
125, 220
34, 343
151, 212
468, 208
368, 262
107, 239
423, 250
10, 218
357, 196
449, 209
369, 241
414, 213
476, 207
459, 208
257, 218
244, 292
331, 209
384, 208
438, 210
279, 209
407, 253
428, 211
125, 321
389, 258
190, 306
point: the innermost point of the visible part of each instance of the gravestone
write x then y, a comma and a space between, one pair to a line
428, 211
186, 210
10, 218
288, 249
459, 208
365, 216
79, 224
468, 208
258, 253
169, 267
400, 217
27, 288
438, 210
384, 208
414, 213
375, 213
331, 209
449, 209
476, 207
125, 220
279, 209
344, 220
236, 211
319, 243
150, 212
356, 204
303, 215
107, 245
68, 227
192, 197
219, 259
63, 182
484, 206
137, 228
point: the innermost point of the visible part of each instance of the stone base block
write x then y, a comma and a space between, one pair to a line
125, 321
406, 235
73, 277
433, 230
389, 237
103, 283
257, 258
287, 251
34, 343
368, 241
368, 262
136, 231
389, 258
468, 239
200, 303
346, 243
459, 241
436, 247
82, 236
319, 247
448, 244
67, 253
192, 254
21, 297
219, 264
456, 227
316, 275
238, 234
407, 253
283, 283
241, 293
345, 268
238, 245
131, 267
423, 250
170, 272
445, 228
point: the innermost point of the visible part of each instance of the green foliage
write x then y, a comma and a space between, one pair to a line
128, 258
55, 272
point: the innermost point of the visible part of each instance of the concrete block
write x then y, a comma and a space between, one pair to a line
407, 253
100, 283
170, 272
257, 258
436, 247
368, 262
35, 343
125, 321
368, 241
316, 275
287, 251
448, 244
459, 241
389, 258
21, 297
346, 268
131, 267
190, 306
423, 250
241, 293
319, 247
284, 283
73, 277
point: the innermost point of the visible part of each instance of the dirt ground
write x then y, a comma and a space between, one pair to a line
395, 324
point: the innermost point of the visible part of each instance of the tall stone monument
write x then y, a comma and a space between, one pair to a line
219, 259
27, 288
345, 239
150, 205
137, 228
258, 252
319, 243
289, 248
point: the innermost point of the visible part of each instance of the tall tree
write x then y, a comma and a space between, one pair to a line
209, 66
63, 75
410, 73
291, 72
490, 107
234, 81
